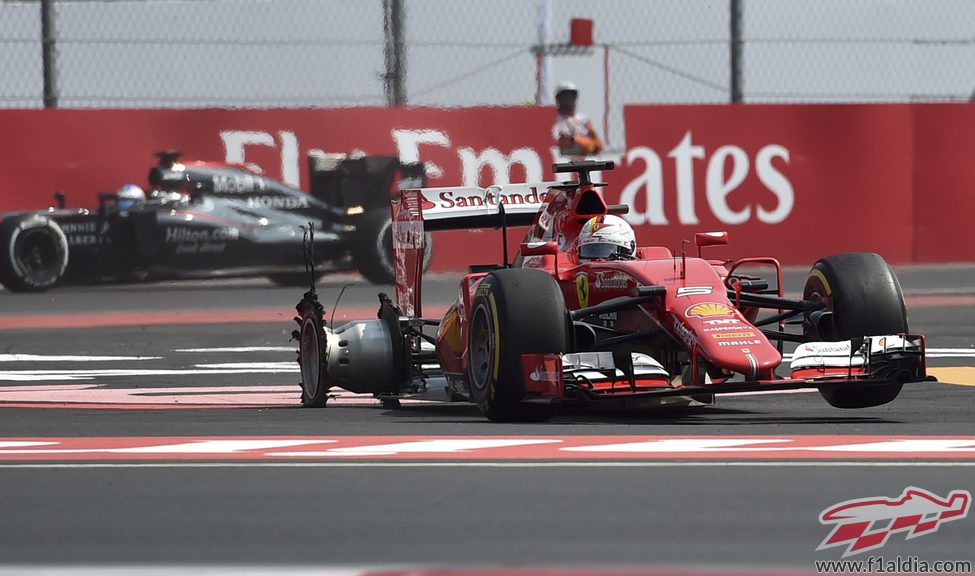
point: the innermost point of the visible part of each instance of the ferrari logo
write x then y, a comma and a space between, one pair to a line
708, 309
582, 290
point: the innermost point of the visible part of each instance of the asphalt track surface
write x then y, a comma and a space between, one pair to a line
106, 391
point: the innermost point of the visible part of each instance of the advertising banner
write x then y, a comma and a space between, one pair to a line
795, 182
792, 182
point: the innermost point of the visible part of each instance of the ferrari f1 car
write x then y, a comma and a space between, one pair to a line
206, 219
658, 328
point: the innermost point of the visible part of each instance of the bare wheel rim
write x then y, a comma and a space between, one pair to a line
482, 348
310, 358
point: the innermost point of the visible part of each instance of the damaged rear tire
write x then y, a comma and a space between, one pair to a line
312, 358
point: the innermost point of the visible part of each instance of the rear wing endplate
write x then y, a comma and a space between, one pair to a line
422, 210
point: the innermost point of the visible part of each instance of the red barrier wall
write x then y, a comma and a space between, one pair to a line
794, 182
944, 182
84, 152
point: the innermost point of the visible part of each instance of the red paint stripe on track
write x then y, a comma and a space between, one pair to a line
473, 448
143, 318
554, 571
93, 395
174, 317
938, 301
273, 315
95, 406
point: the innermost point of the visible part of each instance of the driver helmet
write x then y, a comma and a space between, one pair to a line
608, 237
129, 195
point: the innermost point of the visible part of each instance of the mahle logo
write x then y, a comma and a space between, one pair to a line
866, 523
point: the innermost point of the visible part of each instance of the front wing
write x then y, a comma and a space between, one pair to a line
874, 361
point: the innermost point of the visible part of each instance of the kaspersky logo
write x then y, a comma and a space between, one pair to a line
867, 523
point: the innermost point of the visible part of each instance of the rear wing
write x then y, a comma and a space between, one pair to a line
424, 210
459, 208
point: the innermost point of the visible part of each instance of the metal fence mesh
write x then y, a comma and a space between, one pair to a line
20, 55
192, 53
835, 50
291, 53
458, 55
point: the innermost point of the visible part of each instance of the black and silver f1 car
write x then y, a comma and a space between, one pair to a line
205, 219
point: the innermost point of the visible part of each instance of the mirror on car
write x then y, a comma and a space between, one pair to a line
710, 238
539, 248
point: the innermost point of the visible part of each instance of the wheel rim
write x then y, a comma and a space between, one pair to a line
310, 358
482, 352
384, 246
36, 255
816, 292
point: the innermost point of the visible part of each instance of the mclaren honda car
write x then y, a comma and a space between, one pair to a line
207, 219
549, 327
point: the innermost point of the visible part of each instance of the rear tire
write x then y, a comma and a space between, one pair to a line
865, 298
372, 247
514, 312
312, 352
33, 253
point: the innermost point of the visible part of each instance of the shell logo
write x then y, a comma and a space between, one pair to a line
709, 309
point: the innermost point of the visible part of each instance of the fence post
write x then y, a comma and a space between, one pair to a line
394, 79
49, 54
736, 51
606, 100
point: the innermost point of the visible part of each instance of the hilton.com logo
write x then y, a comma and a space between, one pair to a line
866, 524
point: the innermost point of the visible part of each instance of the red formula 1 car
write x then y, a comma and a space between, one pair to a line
655, 328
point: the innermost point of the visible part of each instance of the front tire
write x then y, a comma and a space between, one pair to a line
372, 247
514, 312
33, 253
865, 299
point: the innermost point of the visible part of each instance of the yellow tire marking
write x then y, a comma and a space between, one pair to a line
819, 275
963, 376
497, 336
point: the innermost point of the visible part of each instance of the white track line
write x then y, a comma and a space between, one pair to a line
521, 569
952, 350
540, 464
290, 366
70, 358
205, 569
240, 349
252, 368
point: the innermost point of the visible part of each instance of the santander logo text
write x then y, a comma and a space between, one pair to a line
491, 196
727, 167
867, 523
